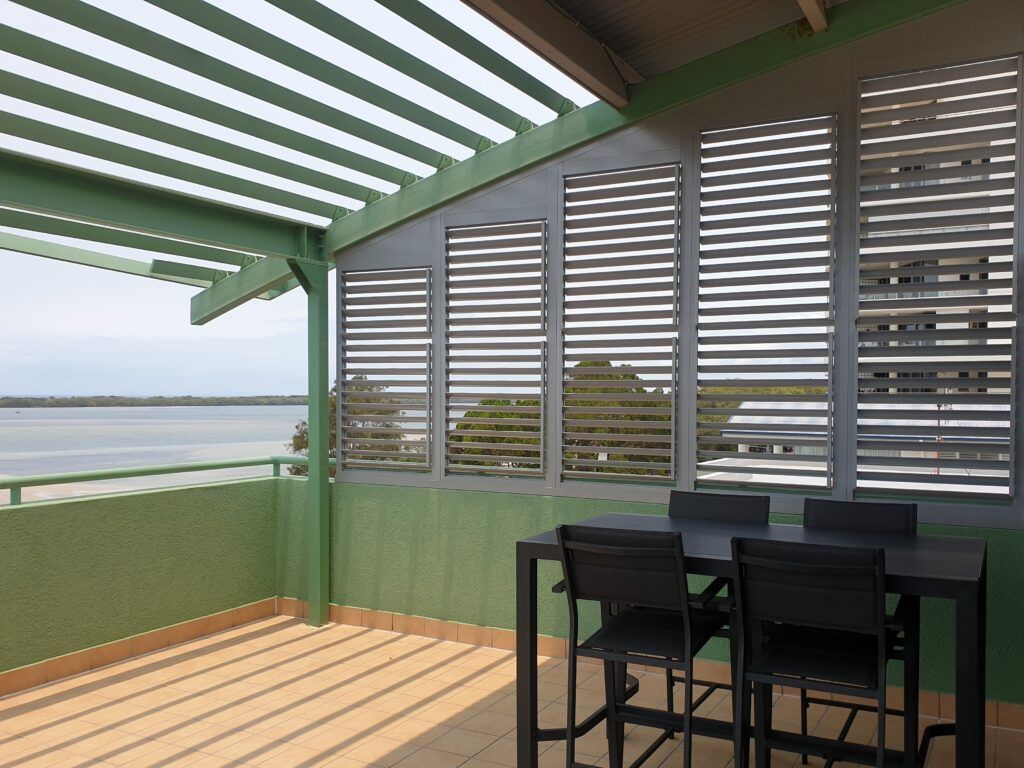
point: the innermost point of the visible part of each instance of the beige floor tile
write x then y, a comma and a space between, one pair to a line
279, 694
464, 742
431, 758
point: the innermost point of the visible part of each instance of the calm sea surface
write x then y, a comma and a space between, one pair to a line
36, 441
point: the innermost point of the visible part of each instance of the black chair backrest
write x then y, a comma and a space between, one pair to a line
727, 507
638, 568
892, 517
809, 585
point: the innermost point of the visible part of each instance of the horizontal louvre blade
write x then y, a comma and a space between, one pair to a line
761, 416
936, 310
384, 398
489, 428
620, 324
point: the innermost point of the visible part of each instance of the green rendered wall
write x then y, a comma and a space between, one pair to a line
450, 555
79, 573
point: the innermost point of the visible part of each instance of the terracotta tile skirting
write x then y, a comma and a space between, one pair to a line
101, 655
1001, 714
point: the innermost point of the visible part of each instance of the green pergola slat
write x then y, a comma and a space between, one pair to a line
743, 61
454, 37
59, 252
153, 44
45, 187
46, 95
39, 221
239, 31
53, 135
849, 21
326, 20
162, 268
68, 60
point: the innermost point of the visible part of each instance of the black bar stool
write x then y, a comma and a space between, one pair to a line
643, 573
727, 508
811, 617
904, 622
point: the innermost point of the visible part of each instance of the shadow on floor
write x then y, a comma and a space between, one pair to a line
279, 694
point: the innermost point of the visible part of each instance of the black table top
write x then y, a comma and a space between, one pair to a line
924, 565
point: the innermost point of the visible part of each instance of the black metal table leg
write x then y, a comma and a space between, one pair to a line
970, 673
526, 660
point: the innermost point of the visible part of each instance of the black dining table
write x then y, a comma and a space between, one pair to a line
945, 567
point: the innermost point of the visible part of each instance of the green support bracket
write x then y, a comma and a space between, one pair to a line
567, 106
524, 126
483, 144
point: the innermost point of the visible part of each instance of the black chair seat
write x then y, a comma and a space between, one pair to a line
654, 633
819, 654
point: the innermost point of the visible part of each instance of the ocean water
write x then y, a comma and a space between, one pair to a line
38, 441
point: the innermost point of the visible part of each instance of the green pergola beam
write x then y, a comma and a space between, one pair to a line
60, 252
153, 44
50, 224
97, 70
743, 61
131, 157
454, 37
247, 283
40, 186
242, 32
326, 20
69, 102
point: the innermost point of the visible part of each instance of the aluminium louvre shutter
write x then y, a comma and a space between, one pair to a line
384, 417
495, 353
765, 306
936, 297
620, 324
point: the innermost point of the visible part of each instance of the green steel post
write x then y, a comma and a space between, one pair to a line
15, 496
314, 280
276, 465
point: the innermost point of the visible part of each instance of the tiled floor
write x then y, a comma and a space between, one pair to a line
277, 693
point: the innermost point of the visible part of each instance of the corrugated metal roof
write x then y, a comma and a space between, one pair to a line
658, 35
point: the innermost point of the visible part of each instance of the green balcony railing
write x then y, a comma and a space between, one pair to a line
16, 484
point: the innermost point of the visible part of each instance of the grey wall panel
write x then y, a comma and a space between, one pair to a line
825, 84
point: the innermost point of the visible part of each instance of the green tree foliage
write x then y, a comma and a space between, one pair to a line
366, 424
619, 383
492, 409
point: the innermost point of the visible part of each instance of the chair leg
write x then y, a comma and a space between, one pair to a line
670, 704
911, 683
741, 717
688, 717
615, 728
803, 720
880, 754
669, 701
762, 724
570, 708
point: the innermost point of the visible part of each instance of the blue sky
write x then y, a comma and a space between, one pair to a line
73, 330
